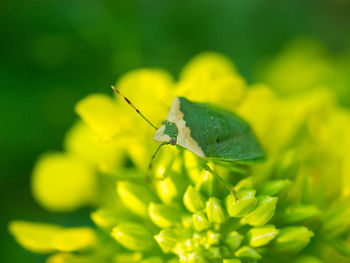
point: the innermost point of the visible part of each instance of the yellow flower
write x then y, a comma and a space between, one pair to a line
212, 78
149, 90
62, 182
47, 238
186, 212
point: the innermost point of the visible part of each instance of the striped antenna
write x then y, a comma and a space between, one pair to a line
132, 105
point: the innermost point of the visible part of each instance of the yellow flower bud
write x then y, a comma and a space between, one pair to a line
233, 240
193, 200
292, 239
215, 212
133, 236
247, 253
200, 221
260, 236
241, 207
167, 239
263, 212
162, 215
135, 197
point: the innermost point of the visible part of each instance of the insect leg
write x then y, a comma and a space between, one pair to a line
148, 175
227, 184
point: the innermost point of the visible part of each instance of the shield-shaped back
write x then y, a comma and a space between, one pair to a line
212, 132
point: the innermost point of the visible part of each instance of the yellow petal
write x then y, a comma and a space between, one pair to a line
150, 90
82, 142
208, 65
140, 150
211, 78
74, 239
101, 113
46, 238
35, 237
225, 91
346, 169
63, 183
302, 65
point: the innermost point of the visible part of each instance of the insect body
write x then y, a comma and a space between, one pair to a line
207, 131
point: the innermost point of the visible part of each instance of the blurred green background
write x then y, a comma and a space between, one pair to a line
55, 52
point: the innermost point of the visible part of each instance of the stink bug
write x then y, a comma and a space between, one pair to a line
210, 132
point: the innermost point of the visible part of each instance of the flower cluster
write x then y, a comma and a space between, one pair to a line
294, 207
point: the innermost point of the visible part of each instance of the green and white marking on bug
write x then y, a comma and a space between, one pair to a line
209, 132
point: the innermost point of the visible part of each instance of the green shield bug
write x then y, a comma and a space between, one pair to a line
209, 132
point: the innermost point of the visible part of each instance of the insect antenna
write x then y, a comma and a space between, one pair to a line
148, 175
132, 105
